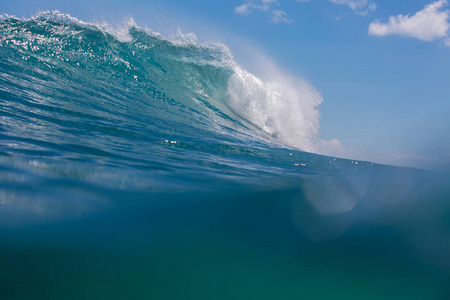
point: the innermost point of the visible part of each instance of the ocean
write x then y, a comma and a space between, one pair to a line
137, 166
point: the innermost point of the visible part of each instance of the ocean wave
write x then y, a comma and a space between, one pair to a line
204, 87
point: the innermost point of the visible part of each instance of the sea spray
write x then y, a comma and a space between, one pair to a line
286, 109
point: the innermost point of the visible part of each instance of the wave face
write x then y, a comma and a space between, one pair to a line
126, 153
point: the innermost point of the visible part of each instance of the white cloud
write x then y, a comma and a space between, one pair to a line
431, 162
447, 42
252, 5
335, 148
269, 6
361, 7
429, 24
279, 16
244, 9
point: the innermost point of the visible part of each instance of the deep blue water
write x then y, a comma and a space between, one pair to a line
137, 167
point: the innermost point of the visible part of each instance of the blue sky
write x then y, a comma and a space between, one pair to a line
382, 66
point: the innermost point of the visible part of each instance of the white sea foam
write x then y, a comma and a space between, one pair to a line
286, 108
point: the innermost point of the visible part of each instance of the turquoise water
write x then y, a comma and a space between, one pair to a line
136, 166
